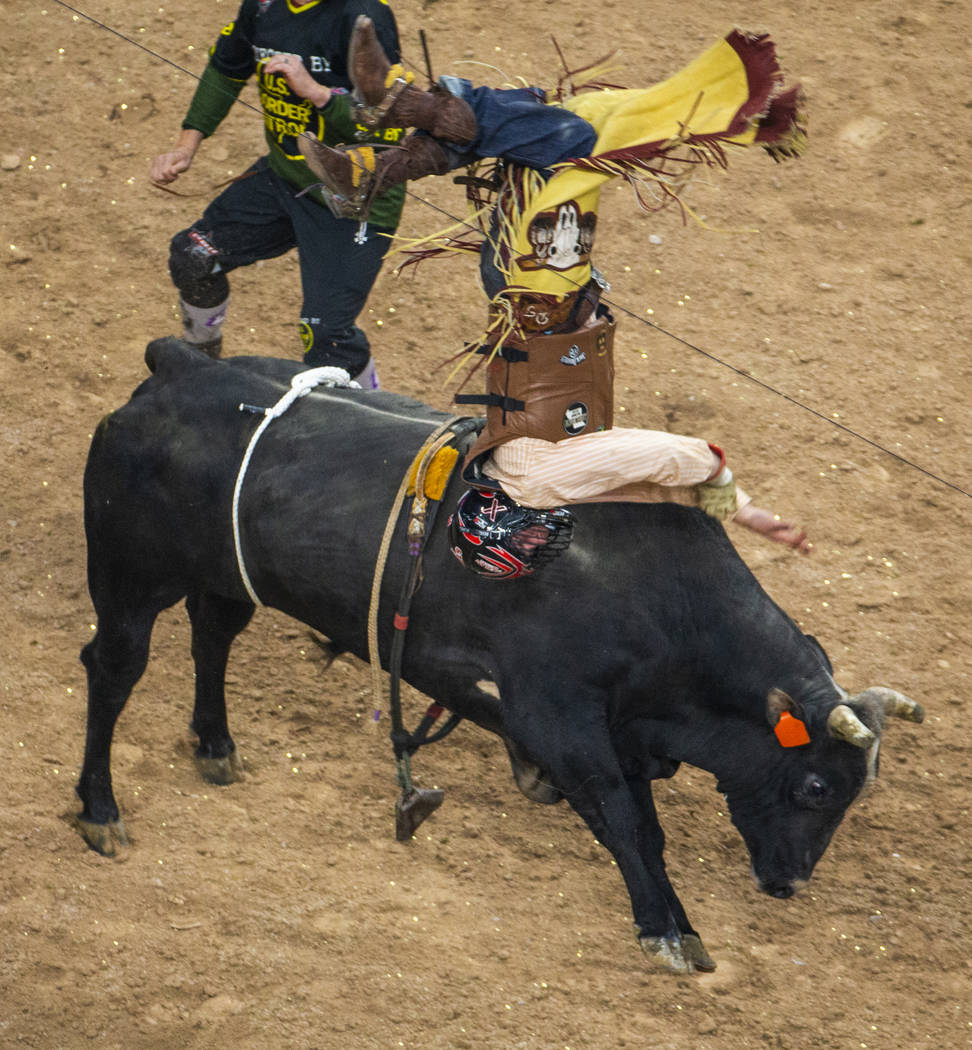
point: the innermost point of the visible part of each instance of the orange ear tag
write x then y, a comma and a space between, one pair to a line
790, 731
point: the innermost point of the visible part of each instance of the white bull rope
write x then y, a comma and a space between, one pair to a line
300, 385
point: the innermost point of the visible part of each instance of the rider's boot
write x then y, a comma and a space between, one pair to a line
388, 101
354, 175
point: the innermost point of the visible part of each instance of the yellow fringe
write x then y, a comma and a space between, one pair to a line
441, 239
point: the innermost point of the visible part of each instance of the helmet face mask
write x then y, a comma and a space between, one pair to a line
497, 538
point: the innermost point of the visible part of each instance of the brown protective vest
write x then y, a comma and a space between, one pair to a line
552, 387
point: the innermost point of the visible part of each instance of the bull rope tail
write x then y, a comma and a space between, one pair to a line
439, 437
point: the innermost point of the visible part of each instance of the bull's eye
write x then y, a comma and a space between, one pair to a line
813, 792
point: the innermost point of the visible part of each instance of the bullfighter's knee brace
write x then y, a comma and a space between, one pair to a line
195, 269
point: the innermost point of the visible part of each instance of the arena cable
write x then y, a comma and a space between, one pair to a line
742, 373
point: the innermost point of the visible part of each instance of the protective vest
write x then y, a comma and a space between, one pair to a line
552, 387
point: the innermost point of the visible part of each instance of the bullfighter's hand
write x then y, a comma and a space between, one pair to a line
167, 167
292, 68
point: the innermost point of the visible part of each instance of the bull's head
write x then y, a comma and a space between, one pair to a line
788, 812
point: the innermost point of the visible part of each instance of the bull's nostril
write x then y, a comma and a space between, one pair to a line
782, 892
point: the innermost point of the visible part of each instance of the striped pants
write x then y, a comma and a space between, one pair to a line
617, 465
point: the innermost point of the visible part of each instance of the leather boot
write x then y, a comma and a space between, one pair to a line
352, 176
387, 100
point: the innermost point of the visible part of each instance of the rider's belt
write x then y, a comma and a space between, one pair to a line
552, 387
536, 312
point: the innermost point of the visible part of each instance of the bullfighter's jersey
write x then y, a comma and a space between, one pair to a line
319, 32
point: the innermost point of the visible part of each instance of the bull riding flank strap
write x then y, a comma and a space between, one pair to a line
425, 482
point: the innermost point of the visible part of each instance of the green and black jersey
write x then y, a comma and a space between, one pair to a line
320, 32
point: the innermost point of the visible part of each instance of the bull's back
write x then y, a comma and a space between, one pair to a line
313, 505
313, 495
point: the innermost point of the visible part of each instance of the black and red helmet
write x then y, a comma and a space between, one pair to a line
498, 538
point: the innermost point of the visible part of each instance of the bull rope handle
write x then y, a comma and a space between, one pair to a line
440, 436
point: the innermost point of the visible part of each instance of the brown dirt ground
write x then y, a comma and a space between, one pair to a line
280, 912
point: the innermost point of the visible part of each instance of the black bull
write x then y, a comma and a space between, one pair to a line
647, 644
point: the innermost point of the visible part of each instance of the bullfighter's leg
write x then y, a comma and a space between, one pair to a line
216, 621
581, 761
114, 659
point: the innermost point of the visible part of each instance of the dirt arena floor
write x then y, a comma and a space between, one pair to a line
818, 330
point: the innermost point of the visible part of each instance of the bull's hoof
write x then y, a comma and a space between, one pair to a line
226, 770
694, 951
681, 955
412, 808
110, 840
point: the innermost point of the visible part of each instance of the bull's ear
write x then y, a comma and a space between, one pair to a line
776, 703
786, 722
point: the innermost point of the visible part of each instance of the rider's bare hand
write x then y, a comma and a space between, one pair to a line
770, 526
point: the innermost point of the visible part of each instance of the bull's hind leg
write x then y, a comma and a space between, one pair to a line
114, 659
216, 621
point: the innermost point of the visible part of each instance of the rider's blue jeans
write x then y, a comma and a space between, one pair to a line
516, 124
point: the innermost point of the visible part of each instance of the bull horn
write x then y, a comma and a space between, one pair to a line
843, 724
896, 705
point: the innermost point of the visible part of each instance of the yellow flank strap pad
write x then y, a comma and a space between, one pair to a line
436, 475
397, 72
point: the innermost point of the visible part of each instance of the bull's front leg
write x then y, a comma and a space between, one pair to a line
216, 621
581, 761
652, 842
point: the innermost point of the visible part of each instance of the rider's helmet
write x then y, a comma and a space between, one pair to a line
496, 537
